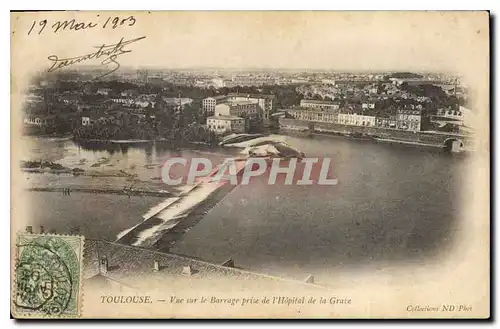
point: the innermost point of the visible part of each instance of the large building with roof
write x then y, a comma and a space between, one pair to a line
313, 114
110, 266
226, 123
238, 104
208, 104
242, 108
265, 102
319, 105
409, 119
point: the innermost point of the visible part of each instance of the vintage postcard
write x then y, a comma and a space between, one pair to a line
279, 164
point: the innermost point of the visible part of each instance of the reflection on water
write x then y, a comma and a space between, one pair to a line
392, 203
143, 159
98, 216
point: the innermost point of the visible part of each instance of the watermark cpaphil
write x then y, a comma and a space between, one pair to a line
241, 171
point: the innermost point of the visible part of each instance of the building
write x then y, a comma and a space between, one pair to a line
355, 119
249, 80
328, 82
69, 99
291, 124
178, 101
312, 114
386, 121
235, 104
299, 81
368, 106
462, 117
34, 99
226, 123
86, 121
396, 81
110, 267
410, 120
103, 91
264, 102
42, 120
240, 108
123, 101
208, 104
321, 105
218, 83
454, 114
130, 93
143, 103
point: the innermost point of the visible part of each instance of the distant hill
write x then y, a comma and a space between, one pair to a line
405, 75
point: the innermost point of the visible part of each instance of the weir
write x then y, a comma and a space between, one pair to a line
166, 222
178, 213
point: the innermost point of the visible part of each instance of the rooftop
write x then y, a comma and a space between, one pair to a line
313, 101
177, 101
40, 116
226, 117
242, 102
134, 266
252, 95
314, 110
217, 97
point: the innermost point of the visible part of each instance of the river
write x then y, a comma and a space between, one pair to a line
393, 203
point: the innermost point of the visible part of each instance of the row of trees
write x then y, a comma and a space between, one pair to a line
437, 95
193, 132
174, 122
109, 131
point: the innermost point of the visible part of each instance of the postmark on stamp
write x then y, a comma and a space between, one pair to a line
47, 278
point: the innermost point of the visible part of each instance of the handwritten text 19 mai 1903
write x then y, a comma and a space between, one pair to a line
109, 22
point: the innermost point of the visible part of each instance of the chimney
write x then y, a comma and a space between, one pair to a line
156, 266
309, 279
42, 229
29, 229
103, 265
187, 270
228, 263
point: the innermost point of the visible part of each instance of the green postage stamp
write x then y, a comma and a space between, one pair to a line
48, 276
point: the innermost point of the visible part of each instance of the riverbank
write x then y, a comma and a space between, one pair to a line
117, 141
378, 140
77, 172
447, 141
52, 137
396, 141
139, 141
105, 184
102, 190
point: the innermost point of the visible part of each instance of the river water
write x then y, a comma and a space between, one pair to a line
392, 203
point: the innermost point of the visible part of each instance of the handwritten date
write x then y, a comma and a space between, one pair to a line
111, 22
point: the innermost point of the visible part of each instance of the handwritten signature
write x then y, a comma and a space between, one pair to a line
110, 54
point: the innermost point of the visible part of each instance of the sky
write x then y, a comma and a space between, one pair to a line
375, 41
